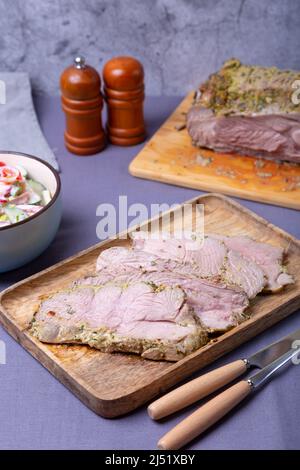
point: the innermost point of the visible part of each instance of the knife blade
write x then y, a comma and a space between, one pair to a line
266, 355
215, 409
265, 374
206, 384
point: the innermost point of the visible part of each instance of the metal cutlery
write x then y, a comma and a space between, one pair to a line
215, 409
206, 384
269, 359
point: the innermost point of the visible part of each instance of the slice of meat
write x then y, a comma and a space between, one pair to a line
205, 257
217, 305
270, 259
94, 280
244, 273
118, 260
155, 322
211, 259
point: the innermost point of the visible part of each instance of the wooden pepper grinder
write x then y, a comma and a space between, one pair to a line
124, 94
82, 103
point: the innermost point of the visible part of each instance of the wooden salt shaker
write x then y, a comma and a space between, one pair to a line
124, 94
82, 103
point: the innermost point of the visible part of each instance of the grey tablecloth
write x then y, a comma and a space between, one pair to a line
19, 128
37, 412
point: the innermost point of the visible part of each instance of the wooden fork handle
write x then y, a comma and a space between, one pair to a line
196, 389
204, 417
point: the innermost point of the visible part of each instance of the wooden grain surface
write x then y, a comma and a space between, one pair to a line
114, 384
171, 158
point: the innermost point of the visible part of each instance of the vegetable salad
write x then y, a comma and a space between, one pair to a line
20, 195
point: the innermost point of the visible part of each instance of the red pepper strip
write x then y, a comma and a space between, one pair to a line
2, 164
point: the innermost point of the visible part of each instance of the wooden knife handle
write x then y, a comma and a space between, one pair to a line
195, 390
204, 417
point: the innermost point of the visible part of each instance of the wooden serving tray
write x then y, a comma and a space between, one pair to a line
170, 157
114, 384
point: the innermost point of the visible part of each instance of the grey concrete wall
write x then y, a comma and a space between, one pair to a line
179, 41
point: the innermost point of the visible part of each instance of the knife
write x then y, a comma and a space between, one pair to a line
219, 406
208, 383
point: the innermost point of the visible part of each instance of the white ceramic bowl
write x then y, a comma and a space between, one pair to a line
25, 240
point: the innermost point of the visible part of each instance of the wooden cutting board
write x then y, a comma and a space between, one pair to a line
171, 158
114, 384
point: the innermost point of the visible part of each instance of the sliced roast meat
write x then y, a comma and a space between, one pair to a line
161, 298
217, 305
244, 273
155, 322
211, 259
120, 260
102, 278
205, 257
269, 257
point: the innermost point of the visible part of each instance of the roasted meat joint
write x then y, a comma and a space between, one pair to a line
248, 110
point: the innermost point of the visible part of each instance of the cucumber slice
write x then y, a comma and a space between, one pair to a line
14, 214
46, 196
36, 187
34, 198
